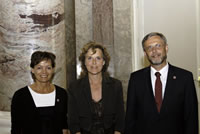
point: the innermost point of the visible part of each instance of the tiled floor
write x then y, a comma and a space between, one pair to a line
5, 122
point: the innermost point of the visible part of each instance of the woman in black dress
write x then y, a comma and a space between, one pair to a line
40, 108
95, 99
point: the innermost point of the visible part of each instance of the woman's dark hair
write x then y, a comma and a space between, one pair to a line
39, 56
93, 45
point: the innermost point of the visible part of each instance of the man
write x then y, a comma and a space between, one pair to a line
162, 104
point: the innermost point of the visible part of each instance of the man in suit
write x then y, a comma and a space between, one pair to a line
163, 104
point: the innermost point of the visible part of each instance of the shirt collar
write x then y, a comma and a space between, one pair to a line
163, 71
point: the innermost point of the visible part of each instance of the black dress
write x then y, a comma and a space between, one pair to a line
47, 119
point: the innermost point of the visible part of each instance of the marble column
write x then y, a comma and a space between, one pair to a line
27, 26
102, 15
70, 41
123, 40
83, 24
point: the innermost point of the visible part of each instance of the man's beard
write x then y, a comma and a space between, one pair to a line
157, 62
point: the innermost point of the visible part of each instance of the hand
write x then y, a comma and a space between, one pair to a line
116, 132
66, 131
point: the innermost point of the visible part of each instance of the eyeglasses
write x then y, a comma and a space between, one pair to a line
150, 48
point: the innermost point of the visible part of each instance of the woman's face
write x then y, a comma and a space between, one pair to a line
94, 62
43, 71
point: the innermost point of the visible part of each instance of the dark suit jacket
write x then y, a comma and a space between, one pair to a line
80, 115
179, 112
25, 117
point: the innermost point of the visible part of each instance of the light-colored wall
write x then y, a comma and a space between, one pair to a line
179, 23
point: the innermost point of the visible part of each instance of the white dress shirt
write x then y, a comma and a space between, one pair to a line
163, 78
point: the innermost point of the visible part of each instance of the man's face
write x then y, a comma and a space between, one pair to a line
156, 51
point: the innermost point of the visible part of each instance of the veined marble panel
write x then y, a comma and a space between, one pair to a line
123, 41
102, 11
27, 26
83, 24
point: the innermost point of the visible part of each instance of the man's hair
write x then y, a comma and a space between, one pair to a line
151, 35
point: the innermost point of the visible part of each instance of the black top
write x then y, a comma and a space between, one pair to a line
97, 117
26, 118
83, 112
47, 119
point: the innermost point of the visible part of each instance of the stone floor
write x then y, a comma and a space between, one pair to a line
5, 123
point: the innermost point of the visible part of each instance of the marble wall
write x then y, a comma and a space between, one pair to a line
102, 27
27, 26
83, 24
63, 27
123, 39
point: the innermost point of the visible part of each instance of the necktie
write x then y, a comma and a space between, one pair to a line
158, 91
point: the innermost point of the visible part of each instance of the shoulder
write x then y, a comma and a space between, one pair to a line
140, 73
111, 80
21, 91
21, 95
180, 71
61, 94
60, 90
79, 83
146, 69
112, 83
78, 87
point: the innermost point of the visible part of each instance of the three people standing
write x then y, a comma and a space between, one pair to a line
161, 98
